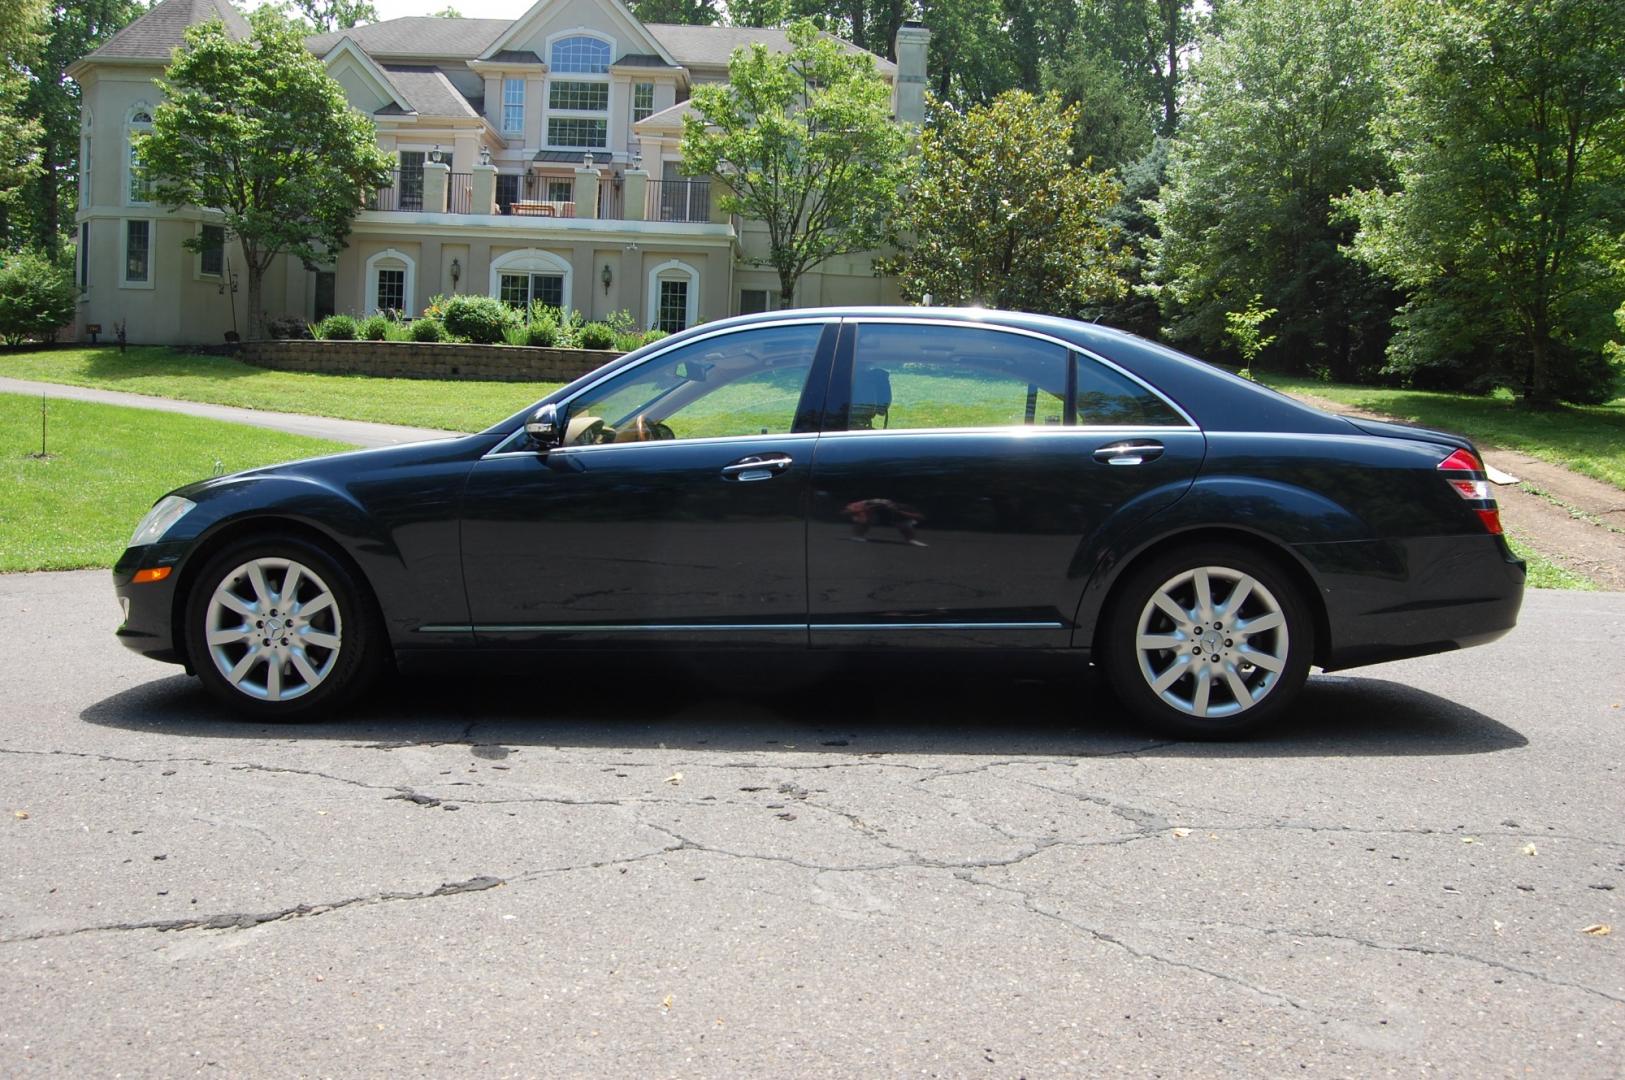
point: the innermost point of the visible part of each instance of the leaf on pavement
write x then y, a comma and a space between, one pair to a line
1601, 929
675, 778
1469, 839
1529, 849
1181, 833
666, 1004
20, 815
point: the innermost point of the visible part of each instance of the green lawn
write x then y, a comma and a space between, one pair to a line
1545, 574
451, 405
1588, 439
78, 507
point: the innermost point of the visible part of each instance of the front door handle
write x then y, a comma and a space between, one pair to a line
757, 467
1131, 452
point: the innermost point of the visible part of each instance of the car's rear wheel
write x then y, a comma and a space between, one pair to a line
278, 628
1209, 641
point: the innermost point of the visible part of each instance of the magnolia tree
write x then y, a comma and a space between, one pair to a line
257, 130
805, 143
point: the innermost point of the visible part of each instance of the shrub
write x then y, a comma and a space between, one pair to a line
37, 297
373, 328
652, 334
542, 329
483, 320
596, 335
426, 329
287, 326
336, 328
514, 333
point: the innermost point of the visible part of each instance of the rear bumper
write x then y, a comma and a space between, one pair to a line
1389, 600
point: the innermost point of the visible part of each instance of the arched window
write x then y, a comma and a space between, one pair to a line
580, 55
138, 188
391, 281
674, 296
520, 277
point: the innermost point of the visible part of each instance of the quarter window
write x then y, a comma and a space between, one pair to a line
1107, 397
747, 383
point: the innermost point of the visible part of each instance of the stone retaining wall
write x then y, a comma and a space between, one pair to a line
420, 360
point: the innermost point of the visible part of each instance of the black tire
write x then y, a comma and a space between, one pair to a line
324, 653
1230, 655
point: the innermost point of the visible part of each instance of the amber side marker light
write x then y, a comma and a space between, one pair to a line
156, 573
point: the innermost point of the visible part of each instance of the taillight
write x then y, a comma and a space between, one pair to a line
1465, 473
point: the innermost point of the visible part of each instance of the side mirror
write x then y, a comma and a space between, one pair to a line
543, 427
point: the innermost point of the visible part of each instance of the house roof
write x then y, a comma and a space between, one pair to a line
712, 46
667, 118
429, 92
157, 34
417, 36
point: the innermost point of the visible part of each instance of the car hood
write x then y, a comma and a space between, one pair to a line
351, 463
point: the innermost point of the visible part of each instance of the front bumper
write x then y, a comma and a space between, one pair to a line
149, 608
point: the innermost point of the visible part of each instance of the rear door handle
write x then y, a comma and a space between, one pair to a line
1132, 452
757, 467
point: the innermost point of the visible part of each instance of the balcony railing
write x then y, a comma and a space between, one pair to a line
460, 193
679, 200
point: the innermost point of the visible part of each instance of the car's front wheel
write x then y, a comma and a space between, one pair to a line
1208, 641
278, 628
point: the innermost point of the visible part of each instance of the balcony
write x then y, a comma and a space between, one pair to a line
673, 201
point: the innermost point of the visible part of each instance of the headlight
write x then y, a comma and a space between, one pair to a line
163, 515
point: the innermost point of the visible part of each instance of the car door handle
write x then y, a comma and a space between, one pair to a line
757, 467
1133, 452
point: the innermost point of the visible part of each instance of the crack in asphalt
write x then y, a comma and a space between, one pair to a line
247, 920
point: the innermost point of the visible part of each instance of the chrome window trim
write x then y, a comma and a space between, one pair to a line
1019, 431
573, 451
1071, 346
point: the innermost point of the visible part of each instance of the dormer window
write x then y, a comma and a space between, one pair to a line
580, 55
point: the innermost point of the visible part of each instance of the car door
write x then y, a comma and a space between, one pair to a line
673, 513
969, 476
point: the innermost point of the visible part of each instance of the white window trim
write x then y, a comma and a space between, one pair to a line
197, 256
130, 128
532, 261
408, 291
549, 113
632, 115
124, 254
86, 125
579, 31
652, 309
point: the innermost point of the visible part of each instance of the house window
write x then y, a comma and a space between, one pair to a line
326, 292
580, 55
84, 256
520, 290
575, 132
140, 187
752, 301
579, 96
561, 191
391, 295
84, 171
513, 106
672, 313
137, 252
211, 260
411, 181
643, 101
507, 191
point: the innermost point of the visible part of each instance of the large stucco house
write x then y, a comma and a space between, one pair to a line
535, 159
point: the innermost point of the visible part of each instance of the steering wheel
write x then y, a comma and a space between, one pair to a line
644, 429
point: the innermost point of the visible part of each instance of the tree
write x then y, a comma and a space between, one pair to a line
685, 12
1278, 125
805, 143
37, 297
257, 130
327, 15
1506, 131
1001, 216
1114, 127
1152, 40
20, 23
73, 29
448, 12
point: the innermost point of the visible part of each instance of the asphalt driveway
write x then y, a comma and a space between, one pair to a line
739, 869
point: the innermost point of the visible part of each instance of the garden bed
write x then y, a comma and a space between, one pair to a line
423, 360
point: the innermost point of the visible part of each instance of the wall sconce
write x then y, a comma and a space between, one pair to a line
485, 155
456, 274
530, 182
607, 277
434, 155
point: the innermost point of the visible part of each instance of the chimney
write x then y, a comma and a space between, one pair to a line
908, 93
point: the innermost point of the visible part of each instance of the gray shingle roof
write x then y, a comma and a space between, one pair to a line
428, 91
157, 34
711, 46
671, 117
418, 35
651, 60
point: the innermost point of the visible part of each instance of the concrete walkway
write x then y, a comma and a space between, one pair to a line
355, 432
